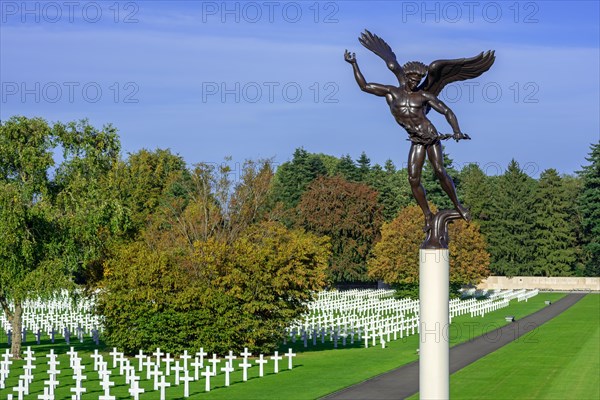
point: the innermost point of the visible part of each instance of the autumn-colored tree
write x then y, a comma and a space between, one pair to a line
209, 270
223, 296
396, 256
349, 214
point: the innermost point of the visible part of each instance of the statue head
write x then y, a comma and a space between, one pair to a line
414, 71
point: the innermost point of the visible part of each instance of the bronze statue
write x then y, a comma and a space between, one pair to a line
410, 102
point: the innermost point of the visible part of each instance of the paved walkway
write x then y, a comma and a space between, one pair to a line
404, 381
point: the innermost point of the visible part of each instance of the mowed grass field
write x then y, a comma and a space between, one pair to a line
559, 360
317, 371
323, 370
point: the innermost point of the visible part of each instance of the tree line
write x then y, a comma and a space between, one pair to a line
547, 226
197, 256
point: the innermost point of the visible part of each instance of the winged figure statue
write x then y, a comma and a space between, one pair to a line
417, 92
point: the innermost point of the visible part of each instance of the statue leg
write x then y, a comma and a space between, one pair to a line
416, 158
436, 157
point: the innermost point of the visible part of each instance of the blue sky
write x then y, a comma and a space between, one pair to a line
258, 79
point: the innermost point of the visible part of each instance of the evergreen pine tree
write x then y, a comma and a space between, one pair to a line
293, 177
364, 166
553, 234
589, 207
475, 191
389, 166
348, 169
511, 218
393, 188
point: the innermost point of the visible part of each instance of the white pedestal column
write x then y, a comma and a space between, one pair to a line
434, 348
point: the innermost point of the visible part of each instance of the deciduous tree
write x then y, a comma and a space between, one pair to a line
52, 223
349, 214
395, 257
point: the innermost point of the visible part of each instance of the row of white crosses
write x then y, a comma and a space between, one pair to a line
529, 294
508, 294
59, 315
158, 367
368, 315
483, 307
374, 314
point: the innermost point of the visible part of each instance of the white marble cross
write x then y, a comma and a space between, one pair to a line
130, 374
245, 354
158, 354
245, 365
227, 369
196, 365
4, 371
97, 358
78, 390
214, 361
46, 396
149, 367
52, 383
207, 374
29, 354
201, 354
177, 371
230, 357
7, 355
72, 354
156, 373
141, 357
123, 363
114, 353
21, 389
276, 357
290, 355
27, 379
186, 379
168, 360
163, 384
135, 390
106, 384
185, 357
52, 363
261, 361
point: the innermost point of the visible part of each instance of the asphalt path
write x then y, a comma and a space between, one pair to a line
404, 381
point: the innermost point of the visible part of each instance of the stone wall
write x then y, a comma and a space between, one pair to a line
540, 282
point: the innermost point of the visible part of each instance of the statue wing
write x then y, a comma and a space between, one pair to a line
443, 72
378, 46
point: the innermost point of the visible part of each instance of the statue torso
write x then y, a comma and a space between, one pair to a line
408, 108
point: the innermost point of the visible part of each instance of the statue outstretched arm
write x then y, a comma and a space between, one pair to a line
373, 88
442, 108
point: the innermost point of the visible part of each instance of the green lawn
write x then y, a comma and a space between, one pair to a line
317, 370
561, 360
